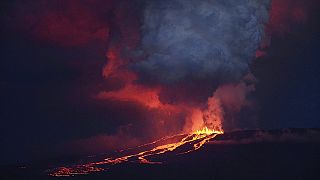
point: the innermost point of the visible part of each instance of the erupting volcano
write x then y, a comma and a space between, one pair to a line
186, 63
146, 89
194, 141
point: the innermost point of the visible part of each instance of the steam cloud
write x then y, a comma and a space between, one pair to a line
207, 40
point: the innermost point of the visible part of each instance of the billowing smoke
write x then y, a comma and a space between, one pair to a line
180, 57
182, 73
208, 40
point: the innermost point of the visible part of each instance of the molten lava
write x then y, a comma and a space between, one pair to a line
203, 121
184, 143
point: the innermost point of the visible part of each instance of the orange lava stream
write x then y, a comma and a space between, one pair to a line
197, 139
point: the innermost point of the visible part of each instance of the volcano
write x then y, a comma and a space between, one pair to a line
246, 154
160, 89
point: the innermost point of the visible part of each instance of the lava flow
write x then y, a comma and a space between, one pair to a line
184, 143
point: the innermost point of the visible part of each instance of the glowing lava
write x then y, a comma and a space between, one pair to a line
184, 144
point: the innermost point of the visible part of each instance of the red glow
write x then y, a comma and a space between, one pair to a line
167, 109
285, 13
148, 96
260, 53
131, 92
66, 23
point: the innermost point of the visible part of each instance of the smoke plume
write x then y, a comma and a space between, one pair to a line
179, 57
209, 40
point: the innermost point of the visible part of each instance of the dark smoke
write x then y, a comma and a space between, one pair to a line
207, 40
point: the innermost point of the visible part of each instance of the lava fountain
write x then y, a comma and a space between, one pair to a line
195, 139
184, 64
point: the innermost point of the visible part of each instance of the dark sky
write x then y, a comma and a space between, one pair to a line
288, 88
49, 79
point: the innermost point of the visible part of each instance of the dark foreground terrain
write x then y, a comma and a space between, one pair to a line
260, 155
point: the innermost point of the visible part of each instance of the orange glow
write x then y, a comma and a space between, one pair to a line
146, 96
197, 139
202, 123
207, 131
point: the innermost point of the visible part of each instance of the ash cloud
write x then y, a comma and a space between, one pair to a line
207, 40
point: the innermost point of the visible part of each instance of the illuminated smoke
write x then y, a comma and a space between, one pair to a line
212, 40
209, 43
284, 14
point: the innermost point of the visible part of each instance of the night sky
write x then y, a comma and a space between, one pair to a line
53, 55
